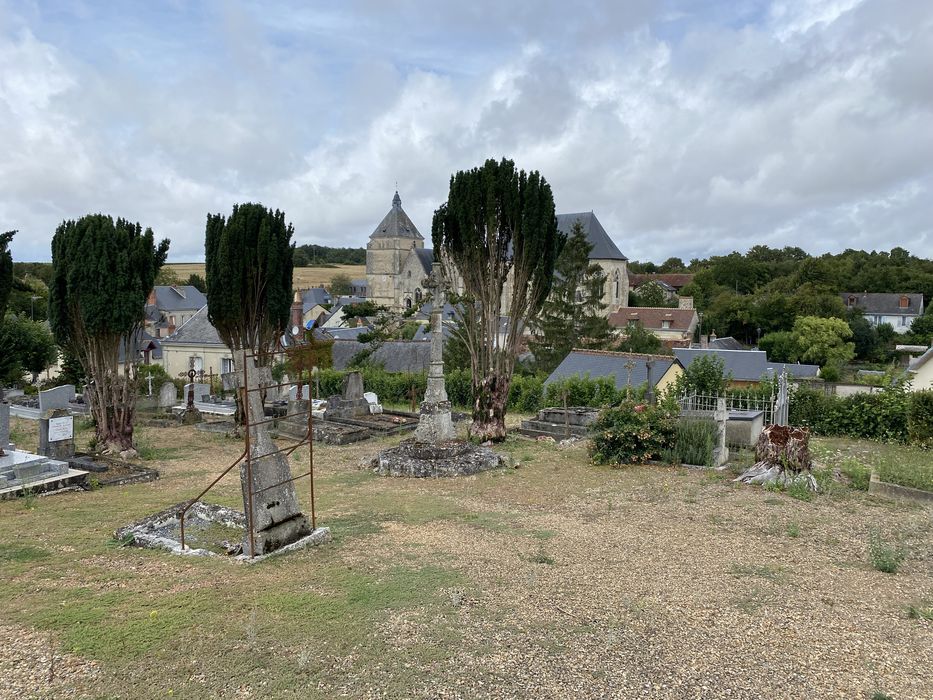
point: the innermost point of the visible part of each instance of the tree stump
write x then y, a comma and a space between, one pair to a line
783, 457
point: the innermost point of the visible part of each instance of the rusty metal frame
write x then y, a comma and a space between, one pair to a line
246, 455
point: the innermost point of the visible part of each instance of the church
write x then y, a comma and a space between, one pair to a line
397, 261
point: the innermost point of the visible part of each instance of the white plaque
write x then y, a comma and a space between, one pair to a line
61, 428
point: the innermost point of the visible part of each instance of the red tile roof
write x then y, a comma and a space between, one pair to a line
677, 280
651, 318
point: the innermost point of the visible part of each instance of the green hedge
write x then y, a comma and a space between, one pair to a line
879, 416
920, 418
527, 394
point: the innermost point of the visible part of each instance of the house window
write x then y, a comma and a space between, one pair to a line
665, 324
196, 363
408, 303
418, 294
226, 365
905, 302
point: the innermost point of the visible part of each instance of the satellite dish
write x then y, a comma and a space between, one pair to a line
295, 330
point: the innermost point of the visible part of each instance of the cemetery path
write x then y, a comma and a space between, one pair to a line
556, 579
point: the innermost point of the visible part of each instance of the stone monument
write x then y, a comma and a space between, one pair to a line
4, 427
720, 416
168, 396
434, 450
191, 414
57, 434
57, 397
276, 517
351, 402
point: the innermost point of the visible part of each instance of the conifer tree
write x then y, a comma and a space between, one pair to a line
102, 273
497, 227
572, 316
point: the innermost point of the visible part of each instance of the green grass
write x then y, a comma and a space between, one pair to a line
896, 464
21, 553
884, 556
920, 612
775, 574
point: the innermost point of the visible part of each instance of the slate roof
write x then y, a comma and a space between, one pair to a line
651, 317
424, 331
603, 246
178, 297
677, 280
603, 363
396, 223
347, 333
197, 330
425, 257
746, 365
313, 297
394, 355
143, 341
884, 304
727, 343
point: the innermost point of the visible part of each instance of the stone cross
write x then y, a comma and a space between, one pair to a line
276, 517
436, 424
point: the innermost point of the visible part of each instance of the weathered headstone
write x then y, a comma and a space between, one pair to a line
275, 517
57, 434
168, 395
201, 391
436, 424
4, 427
57, 397
351, 401
720, 415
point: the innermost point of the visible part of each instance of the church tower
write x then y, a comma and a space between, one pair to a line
389, 245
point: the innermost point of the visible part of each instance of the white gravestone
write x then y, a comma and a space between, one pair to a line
62, 428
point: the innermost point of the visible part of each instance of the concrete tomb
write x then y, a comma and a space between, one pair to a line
5, 427
560, 423
350, 402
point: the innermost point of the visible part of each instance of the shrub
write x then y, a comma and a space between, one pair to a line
631, 433
693, 443
878, 416
920, 418
884, 557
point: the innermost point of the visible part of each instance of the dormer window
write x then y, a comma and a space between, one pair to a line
851, 301
665, 324
905, 302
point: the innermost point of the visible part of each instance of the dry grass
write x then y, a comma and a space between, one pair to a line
558, 579
304, 276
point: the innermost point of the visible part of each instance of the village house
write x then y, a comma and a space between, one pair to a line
671, 282
170, 306
897, 310
920, 372
746, 367
196, 345
627, 369
674, 327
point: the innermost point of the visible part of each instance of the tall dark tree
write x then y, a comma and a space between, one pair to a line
6, 270
102, 272
573, 313
249, 267
497, 227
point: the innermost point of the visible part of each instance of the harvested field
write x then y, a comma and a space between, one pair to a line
304, 276
557, 579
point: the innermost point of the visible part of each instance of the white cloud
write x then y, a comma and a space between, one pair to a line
687, 135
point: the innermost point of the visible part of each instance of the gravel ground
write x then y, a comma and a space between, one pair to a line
575, 582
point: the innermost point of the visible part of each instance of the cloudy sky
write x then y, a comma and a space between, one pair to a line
689, 127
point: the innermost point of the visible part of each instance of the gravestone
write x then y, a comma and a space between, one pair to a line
276, 517
351, 402
201, 391
720, 415
168, 395
5, 427
57, 397
57, 434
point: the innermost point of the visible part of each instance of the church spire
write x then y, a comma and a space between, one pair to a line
396, 201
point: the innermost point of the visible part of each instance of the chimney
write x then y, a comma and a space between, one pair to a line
170, 329
712, 336
297, 310
685, 303
704, 342
152, 298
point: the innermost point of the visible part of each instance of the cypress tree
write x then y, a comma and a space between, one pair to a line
102, 273
498, 232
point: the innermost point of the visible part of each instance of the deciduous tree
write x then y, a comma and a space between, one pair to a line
824, 341
102, 273
497, 224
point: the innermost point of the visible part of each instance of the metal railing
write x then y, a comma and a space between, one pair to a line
248, 423
694, 404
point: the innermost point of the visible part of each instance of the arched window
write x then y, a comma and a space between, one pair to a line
617, 292
418, 294
409, 274
407, 303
